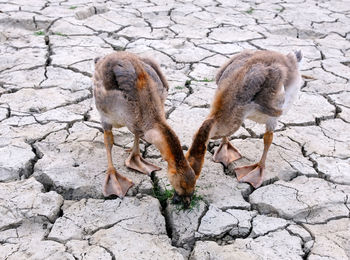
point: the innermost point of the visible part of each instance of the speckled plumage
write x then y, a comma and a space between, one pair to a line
254, 84
130, 91
258, 85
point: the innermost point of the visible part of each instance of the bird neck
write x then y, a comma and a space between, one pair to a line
165, 139
195, 155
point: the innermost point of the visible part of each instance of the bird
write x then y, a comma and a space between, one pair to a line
130, 91
259, 85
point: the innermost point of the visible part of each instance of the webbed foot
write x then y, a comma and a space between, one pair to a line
253, 174
226, 153
136, 162
116, 183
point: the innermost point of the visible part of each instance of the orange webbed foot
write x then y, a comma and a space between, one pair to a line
136, 162
226, 153
253, 174
116, 184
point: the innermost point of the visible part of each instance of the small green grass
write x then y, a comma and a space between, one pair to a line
60, 34
39, 33
205, 80
162, 196
194, 203
280, 10
250, 10
179, 87
73, 7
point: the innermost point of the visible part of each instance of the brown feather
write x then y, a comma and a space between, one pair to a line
131, 91
249, 81
195, 154
156, 68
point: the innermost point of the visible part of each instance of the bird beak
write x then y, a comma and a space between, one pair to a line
176, 198
187, 201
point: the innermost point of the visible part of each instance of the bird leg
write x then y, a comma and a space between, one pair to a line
226, 153
136, 162
115, 183
254, 174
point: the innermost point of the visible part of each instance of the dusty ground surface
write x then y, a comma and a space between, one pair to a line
52, 157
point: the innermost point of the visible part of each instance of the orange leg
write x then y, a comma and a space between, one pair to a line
254, 174
115, 183
226, 153
136, 162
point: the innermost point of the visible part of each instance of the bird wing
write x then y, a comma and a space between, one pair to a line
232, 65
154, 71
156, 68
263, 85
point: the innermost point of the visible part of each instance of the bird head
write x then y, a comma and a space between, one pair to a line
184, 181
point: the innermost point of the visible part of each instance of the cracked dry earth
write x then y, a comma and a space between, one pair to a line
52, 157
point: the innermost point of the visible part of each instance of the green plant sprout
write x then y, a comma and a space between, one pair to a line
39, 33
193, 205
161, 195
207, 80
60, 34
250, 10
167, 194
